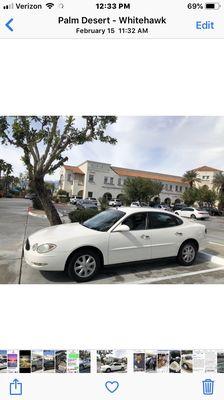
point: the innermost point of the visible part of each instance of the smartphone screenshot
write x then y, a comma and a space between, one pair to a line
111, 199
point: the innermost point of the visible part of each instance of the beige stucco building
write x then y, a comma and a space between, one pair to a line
97, 179
206, 174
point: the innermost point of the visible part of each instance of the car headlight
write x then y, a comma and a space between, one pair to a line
46, 247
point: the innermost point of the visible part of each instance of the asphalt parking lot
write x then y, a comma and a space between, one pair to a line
16, 224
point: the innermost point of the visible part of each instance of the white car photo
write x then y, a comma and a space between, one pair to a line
114, 236
113, 367
193, 213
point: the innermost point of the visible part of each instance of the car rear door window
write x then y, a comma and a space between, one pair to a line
158, 220
137, 221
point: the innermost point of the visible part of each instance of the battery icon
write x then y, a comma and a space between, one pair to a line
212, 6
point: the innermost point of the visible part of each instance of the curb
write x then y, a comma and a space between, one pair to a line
44, 216
36, 215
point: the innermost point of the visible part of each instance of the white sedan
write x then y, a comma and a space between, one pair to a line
112, 367
194, 213
111, 237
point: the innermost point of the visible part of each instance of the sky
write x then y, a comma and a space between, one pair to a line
169, 145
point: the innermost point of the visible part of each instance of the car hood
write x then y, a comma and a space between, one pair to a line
59, 232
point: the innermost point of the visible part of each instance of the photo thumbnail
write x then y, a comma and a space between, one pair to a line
109, 361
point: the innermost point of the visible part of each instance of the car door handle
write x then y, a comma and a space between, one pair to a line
145, 237
179, 233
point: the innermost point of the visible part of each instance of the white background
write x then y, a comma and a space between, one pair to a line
157, 77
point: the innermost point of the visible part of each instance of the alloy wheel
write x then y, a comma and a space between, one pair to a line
188, 253
85, 266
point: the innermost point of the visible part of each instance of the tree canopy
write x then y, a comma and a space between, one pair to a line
44, 141
141, 189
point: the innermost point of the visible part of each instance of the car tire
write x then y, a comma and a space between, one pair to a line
185, 366
176, 213
187, 253
78, 272
108, 370
193, 216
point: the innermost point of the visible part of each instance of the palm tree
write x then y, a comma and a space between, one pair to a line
218, 181
191, 177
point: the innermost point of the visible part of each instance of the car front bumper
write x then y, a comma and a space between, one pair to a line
45, 262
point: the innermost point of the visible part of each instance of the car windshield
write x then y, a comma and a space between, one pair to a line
104, 221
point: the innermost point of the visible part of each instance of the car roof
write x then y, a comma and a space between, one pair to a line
132, 210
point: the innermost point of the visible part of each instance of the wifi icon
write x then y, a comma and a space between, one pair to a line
50, 5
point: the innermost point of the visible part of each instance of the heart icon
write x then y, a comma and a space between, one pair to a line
112, 386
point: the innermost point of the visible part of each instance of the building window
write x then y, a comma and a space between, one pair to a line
171, 188
90, 194
119, 181
106, 179
91, 178
111, 181
180, 188
69, 177
176, 188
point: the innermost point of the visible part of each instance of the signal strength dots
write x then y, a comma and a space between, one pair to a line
8, 6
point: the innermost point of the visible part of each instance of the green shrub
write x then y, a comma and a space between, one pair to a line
82, 215
62, 192
63, 199
37, 205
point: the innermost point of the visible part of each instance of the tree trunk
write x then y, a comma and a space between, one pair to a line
48, 206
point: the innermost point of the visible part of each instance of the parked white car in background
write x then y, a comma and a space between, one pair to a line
138, 204
73, 200
115, 203
116, 366
112, 237
194, 213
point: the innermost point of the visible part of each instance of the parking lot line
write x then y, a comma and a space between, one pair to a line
219, 244
186, 274
213, 259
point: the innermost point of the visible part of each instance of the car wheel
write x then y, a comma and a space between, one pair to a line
187, 253
185, 366
83, 265
193, 216
176, 213
122, 369
108, 370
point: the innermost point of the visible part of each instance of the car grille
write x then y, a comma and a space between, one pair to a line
27, 246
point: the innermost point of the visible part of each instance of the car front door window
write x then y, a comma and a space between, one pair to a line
136, 221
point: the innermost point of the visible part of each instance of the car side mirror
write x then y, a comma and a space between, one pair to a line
121, 228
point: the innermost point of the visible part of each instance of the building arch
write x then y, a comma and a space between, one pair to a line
177, 201
120, 196
157, 200
107, 196
167, 201
80, 193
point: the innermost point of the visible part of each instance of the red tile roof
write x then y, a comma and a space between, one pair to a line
207, 169
133, 173
75, 170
